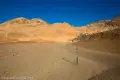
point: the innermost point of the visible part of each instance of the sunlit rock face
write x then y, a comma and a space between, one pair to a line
20, 20
37, 21
22, 29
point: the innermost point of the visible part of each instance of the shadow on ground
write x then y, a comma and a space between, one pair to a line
74, 63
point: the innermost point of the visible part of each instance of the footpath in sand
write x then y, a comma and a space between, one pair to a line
51, 61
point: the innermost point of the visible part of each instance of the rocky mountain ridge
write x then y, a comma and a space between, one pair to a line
105, 29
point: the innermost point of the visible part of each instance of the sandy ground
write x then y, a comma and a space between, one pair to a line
52, 61
105, 45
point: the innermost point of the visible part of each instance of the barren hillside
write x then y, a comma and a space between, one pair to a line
105, 29
22, 29
101, 36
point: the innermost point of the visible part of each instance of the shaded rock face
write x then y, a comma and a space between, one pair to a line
115, 22
114, 34
105, 29
97, 27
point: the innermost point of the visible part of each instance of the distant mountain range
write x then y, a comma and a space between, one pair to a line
37, 30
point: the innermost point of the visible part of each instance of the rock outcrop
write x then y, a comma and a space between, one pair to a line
20, 20
37, 21
105, 29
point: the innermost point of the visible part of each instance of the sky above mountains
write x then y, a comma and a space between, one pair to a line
74, 12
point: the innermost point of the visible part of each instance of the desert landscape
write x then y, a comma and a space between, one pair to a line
36, 50
35, 30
